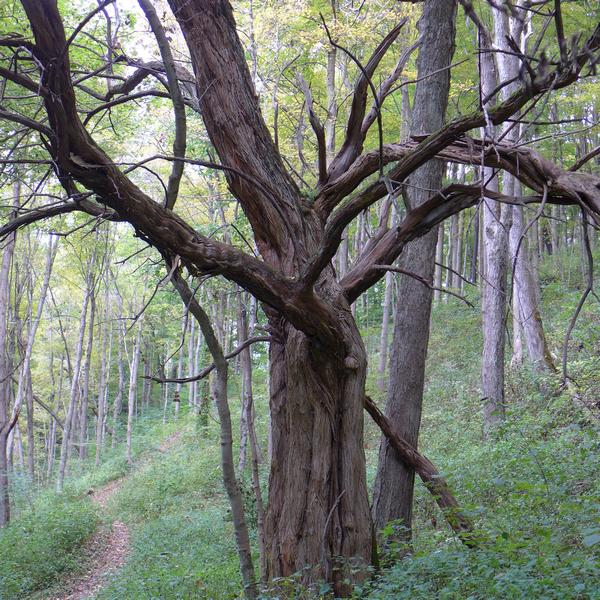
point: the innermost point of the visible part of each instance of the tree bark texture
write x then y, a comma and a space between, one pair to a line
394, 483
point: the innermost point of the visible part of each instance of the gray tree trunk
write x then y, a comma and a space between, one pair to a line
87, 368
229, 479
131, 396
394, 483
74, 395
5, 371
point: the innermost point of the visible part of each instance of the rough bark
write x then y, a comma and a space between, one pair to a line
394, 483
296, 238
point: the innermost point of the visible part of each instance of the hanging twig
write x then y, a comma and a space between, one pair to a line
588, 290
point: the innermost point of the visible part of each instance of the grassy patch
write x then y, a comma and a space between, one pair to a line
40, 546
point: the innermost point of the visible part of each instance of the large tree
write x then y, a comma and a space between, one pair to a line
318, 509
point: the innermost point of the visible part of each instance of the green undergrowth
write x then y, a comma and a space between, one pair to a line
44, 539
42, 544
532, 491
183, 545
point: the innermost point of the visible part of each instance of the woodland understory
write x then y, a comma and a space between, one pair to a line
266, 266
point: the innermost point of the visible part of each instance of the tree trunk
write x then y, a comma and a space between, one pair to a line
394, 483
24, 388
439, 259
229, 479
385, 325
103, 378
318, 507
493, 301
131, 396
85, 396
118, 400
70, 416
5, 368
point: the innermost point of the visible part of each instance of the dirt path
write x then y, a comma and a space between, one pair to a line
107, 549
104, 552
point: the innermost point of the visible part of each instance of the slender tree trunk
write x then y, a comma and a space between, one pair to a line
118, 401
394, 483
24, 388
70, 416
85, 396
5, 373
229, 479
103, 379
439, 259
248, 408
131, 397
385, 325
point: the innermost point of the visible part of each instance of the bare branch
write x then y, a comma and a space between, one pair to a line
353, 143
207, 370
584, 159
317, 127
179, 144
424, 281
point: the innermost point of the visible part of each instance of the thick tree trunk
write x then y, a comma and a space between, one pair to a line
493, 302
394, 484
525, 294
318, 507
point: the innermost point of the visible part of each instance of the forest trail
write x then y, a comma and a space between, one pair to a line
104, 552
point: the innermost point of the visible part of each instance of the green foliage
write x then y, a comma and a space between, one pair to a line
37, 548
183, 543
185, 554
188, 474
533, 491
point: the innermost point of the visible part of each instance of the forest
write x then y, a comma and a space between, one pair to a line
298, 299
